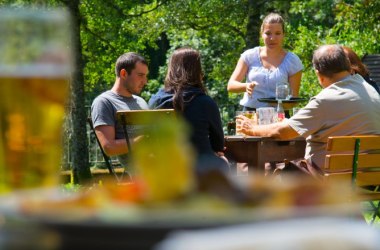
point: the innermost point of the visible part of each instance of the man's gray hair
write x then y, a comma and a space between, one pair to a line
330, 59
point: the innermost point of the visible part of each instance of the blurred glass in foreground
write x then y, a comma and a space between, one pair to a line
164, 159
35, 66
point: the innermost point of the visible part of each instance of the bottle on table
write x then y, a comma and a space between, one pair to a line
280, 111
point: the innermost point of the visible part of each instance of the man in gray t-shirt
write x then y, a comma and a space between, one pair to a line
347, 105
131, 76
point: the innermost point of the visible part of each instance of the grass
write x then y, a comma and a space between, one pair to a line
368, 213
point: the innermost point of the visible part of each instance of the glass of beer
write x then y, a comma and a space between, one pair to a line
249, 114
35, 68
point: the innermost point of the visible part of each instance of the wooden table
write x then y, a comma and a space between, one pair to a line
256, 151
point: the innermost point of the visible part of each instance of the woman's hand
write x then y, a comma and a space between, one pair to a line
221, 155
249, 88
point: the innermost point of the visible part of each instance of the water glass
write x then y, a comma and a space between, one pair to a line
282, 91
266, 115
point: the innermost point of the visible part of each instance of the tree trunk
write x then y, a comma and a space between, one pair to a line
80, 158
252, 38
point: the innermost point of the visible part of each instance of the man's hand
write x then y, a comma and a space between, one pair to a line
244, 125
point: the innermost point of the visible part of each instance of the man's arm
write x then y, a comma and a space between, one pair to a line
279, 130
110, 145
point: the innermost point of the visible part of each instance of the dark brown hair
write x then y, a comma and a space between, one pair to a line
184, 70
356, 64
128, 62
273, 18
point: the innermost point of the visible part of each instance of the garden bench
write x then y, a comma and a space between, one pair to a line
356, 159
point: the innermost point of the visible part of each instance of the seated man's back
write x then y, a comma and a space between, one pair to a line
348, 107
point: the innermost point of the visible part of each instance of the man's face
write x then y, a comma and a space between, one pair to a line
135, 81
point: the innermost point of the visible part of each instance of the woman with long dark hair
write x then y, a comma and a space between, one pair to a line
185, 92
358, 67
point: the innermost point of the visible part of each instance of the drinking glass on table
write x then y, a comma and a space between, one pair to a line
252, 116
35, 67
282, 91
266, 115
249, 114
237, 123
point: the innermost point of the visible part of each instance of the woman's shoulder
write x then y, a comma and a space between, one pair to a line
205, 101
160, 98
292, 56
251, 56
293, 61
251, 51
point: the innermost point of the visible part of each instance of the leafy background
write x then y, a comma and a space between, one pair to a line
220, 29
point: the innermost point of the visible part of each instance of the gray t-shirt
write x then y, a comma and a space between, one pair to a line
104, 107
348, 107
103, 112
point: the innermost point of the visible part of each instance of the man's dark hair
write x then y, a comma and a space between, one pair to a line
330, 59
128, 62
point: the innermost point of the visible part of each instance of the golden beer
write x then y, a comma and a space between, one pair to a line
35, 69
31, 118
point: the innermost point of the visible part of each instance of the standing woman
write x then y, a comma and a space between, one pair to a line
264, 66
185, 92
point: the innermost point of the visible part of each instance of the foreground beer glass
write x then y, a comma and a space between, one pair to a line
35, 67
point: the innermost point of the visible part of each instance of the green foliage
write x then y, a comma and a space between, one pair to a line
358, 26
109, 29
313, 23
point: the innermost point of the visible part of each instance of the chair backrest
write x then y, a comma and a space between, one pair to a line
373, 64
107, 159
141, 117
355, 158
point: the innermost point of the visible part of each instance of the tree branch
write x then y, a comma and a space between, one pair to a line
196, 26
121, 13
98, 36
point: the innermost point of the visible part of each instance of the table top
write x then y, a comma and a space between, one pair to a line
257, 138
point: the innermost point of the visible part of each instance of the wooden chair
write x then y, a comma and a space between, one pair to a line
356, 159
141, 118
373, 64
107, 159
